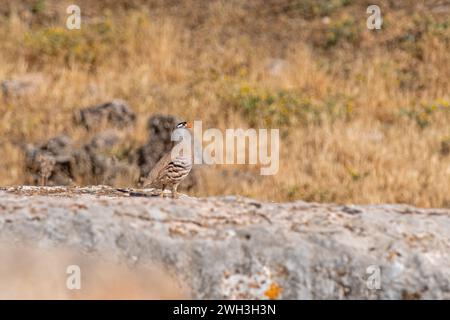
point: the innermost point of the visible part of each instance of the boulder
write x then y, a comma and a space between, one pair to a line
20, 86
115, 113
59, 162
233, 247
53, 158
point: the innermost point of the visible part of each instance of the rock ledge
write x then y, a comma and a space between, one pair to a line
234, 247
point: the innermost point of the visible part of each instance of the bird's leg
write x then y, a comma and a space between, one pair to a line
162, 191
174, 191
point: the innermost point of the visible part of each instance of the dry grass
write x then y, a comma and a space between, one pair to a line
364, 115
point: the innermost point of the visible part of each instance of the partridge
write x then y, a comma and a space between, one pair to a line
170, 170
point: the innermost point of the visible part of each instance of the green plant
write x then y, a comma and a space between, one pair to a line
87, 46
344, 30
38, 6
424, 114
283, 108
317, 8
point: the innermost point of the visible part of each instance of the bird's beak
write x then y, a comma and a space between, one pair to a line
189, 125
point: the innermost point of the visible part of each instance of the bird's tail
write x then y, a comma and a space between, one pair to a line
136, 194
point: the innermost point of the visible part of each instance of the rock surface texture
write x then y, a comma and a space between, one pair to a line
233, 247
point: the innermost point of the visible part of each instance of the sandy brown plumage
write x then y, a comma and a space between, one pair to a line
169, 171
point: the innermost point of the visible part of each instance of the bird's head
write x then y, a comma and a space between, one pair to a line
183, 125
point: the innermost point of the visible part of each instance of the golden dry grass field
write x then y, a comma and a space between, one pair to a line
364, 115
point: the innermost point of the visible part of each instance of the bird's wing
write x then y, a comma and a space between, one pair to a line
156, 170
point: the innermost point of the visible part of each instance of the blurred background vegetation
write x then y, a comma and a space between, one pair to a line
364, 114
